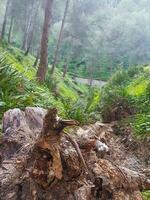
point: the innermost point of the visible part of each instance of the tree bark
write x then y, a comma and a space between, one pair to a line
37, 58
60, 36
44, 42
65, 66
28, 24
5, 20
26, 31
32, 29
31, 166
10, 29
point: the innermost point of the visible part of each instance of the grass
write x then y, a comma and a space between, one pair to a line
129, 90
137, 87
18, 88
146, 195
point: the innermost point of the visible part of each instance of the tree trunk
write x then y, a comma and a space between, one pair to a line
32, 29
10, 29
5, 20
37, 58
44, 42
26, 32
28, 25
31, 166
59, 38
90, 71
65, 68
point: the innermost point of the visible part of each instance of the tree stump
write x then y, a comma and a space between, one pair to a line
38, 162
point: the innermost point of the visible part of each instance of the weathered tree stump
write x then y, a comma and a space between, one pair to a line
39, 162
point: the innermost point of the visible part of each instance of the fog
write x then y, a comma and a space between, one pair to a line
99, 36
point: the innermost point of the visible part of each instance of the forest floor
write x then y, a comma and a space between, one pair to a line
114, 167
103, 161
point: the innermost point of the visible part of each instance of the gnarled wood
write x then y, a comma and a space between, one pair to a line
38, 162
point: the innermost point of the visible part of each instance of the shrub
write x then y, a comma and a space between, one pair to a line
85, 110
17, 91
134, 70
146, 195
119, 78
148, 91
116, 104
141, 125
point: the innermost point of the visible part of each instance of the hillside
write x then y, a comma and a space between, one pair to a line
74, 100
120, 147
126, 98
20, 89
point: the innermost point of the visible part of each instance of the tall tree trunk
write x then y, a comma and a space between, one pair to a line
59, 38
5, 20
10, 29
44, 42
65, 66
26, 34
28, 25
37, 58
32, 28
29, 44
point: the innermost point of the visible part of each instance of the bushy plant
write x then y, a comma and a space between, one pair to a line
148, 91
17, 91
86, 109
116, 103
51, 82
134, 70
119, 78
18, 88
141, 125
124, 76
146, 194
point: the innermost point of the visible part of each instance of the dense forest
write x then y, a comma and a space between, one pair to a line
74, 100
91, 38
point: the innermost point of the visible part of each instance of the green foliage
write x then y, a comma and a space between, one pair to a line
18, 91
119, 78
85, 110
18, 88
141, 125
123, 77
147, 91
100, 34
50, 82
146, 195
18, 61
129, 91
138, 86
115, 101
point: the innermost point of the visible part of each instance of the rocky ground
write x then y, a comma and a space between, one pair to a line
40, 161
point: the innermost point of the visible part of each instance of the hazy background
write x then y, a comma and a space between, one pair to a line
99, 35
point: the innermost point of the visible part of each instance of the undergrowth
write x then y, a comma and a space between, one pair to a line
146, 195
18, 88
128, 94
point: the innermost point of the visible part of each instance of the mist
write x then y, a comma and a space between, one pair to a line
98, 37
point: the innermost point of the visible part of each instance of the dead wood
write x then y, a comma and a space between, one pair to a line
38, 162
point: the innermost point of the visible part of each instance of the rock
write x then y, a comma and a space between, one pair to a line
83, 193
101, 149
